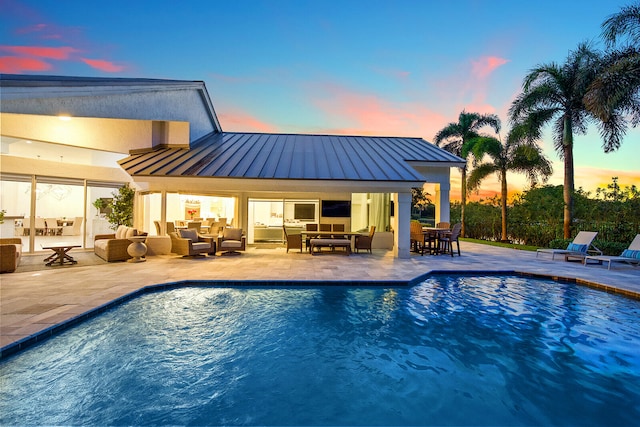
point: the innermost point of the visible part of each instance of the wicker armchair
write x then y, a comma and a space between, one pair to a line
416, 235
187, 242
294, 241
364, 242
232, 241
10, 253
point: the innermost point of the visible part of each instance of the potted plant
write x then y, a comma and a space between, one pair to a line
99, 204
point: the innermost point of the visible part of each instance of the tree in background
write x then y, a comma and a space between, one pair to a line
555, 93
519, 154
455, 135
613, 97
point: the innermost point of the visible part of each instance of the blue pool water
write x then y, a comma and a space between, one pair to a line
449, 351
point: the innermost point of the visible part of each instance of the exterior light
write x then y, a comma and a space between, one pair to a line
64, 118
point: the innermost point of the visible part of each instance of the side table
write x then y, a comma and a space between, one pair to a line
137, 249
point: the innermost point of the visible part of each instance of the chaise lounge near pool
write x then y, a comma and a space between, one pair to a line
450, 350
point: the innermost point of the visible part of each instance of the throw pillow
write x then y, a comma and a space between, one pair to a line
629, 253
574, 247
189, 233
120, 232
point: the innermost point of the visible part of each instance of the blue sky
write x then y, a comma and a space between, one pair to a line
401, 68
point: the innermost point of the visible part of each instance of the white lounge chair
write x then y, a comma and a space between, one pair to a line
630, 255
579, 248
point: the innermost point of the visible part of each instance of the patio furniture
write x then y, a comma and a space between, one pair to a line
318, 244
416, 236
443, 225
60, 254
171, 227
364, 242
10, 254
113, 247
158, 228
187, 242
446, 240
338, 227
232, 241
293, 241
631, 255
310, 227
579, 248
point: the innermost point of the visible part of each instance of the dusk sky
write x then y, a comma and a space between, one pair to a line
388, 68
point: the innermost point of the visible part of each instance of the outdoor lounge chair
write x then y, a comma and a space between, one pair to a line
630, 255
579, 248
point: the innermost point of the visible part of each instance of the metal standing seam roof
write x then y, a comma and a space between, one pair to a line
290, 156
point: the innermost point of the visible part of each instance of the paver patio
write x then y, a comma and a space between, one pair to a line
31, 302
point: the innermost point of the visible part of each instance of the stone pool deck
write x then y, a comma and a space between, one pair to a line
33, 302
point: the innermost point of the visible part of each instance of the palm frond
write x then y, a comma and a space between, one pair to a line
479, 173
624, 23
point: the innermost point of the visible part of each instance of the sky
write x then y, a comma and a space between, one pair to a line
350, 67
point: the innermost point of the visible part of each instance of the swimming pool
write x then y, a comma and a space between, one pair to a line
448, 351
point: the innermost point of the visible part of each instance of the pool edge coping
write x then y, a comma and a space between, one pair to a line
35, 338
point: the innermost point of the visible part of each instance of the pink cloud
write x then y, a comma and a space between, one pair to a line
102, 65
59, 53
16, 65
482, 67
368, 114
240, 121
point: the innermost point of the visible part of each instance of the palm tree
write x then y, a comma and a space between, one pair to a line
555, 93
456, 134
518, 154
614, 94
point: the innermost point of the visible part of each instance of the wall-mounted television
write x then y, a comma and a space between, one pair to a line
336, 208
304, 211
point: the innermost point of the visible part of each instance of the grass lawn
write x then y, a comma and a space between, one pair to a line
502, 245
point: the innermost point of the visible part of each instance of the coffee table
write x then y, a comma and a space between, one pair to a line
60, 254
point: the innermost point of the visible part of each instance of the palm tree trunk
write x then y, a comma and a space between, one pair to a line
503, 179
567, 142
463, 199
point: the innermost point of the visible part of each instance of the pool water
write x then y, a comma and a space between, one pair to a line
449, 351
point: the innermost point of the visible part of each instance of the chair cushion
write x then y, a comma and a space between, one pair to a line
233, 244
130, 232
574, 247
628, 253
189, 233
232, 234
201, 246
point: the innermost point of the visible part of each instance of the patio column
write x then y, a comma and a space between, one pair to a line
443, 207
401, 237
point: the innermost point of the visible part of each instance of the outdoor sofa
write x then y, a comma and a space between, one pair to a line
113, 247
10, 253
